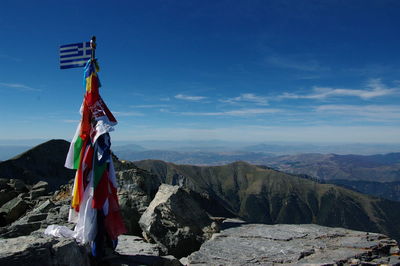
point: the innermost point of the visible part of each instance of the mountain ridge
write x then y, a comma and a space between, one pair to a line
268, 196
44, 162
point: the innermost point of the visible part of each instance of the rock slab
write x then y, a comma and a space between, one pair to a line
258, 244
133, 250
176, 222
36, 250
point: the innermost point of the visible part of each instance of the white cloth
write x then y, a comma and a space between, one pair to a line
86, 227
59, 231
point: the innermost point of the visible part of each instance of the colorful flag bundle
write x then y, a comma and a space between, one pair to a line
94, 205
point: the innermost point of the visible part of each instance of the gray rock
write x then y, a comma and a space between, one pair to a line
58, 215
4, 183
13, 209
134, 245
38, 213
44, 207
136, 190
20, 229
257, 244
134, 251
41, 250
41, 184
6, 196
44, 214
175, 221
36, 193
18, 185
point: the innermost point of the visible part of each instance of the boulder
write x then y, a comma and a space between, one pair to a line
176, 222
4, 183
40, 250
259, 244
13, 209
18, 185
41, 184
43, 214
6, 196
41, 188
20, 229
58, 214
36, 193
136, 190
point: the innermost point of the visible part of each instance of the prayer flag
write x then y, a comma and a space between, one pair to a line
95, 187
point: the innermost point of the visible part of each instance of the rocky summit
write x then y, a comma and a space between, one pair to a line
258, 244
189, 215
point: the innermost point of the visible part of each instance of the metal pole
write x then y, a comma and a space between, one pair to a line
93, 46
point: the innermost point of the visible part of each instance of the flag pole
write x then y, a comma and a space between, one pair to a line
93, 46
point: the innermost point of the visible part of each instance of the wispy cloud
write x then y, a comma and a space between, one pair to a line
368, 112
18, 86
373, 70
70, 121
240, 112
302, 64
189, 98
127, 113
150, 106
247, 98
375, 88
12, 58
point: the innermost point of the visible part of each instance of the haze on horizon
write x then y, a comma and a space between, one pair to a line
259, 72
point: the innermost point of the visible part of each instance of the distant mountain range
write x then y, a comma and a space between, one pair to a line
195, 158
262, 195
254, 193
371, 174
387, 190
374, 168
376, 175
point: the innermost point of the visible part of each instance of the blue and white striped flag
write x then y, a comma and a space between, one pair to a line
75, 55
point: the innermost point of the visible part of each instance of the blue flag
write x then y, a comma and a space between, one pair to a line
75, 55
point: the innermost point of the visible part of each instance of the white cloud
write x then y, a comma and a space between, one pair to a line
375, 88
127, 113
150, 106
70, 121
369, 112
20, 87
12, 58
240, 112
247, 97
189, 98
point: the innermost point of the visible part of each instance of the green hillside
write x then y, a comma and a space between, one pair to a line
262, 195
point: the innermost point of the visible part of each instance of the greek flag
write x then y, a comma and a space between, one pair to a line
74, 55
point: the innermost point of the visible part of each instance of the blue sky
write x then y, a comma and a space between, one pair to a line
260, 71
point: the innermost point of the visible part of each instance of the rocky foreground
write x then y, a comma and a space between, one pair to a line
242, 244
177, 231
